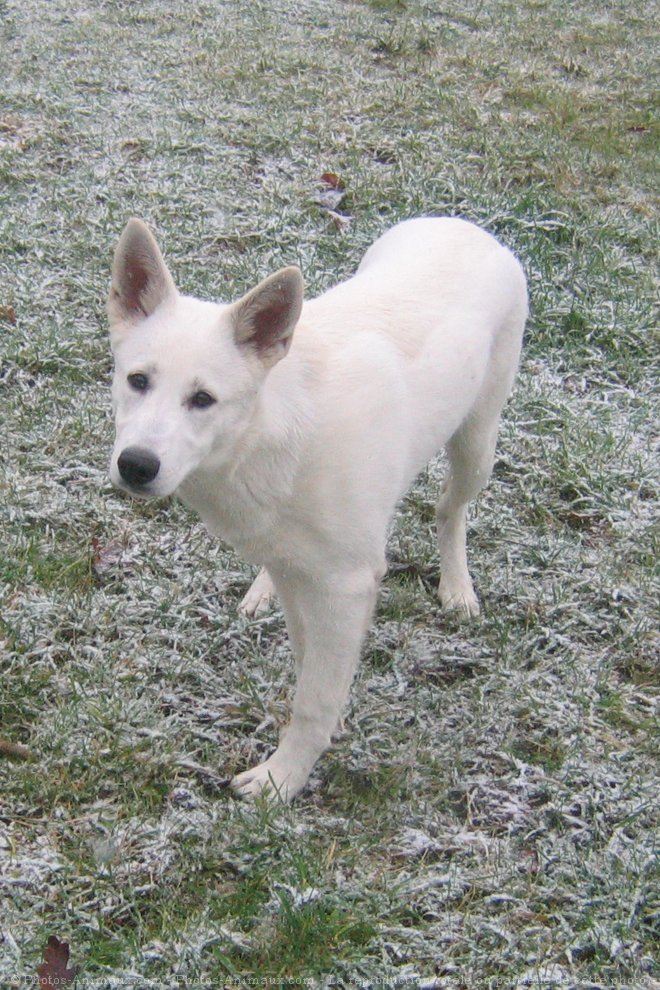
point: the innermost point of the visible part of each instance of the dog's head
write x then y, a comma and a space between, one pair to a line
187, 373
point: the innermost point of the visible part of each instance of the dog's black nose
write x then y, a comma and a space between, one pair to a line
137, 466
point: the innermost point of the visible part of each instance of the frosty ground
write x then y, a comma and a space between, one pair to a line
488, 817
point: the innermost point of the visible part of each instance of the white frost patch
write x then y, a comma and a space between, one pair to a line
9, 946
414, 843
31, 868
192, 944
300, 898
149, 848
446, 886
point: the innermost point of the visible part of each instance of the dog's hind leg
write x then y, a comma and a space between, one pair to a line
471, 452
335, 620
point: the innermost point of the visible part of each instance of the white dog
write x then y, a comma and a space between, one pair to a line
295, 448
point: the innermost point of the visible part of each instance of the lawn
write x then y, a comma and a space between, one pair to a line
488, 818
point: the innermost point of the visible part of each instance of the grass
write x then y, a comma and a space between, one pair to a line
488, 818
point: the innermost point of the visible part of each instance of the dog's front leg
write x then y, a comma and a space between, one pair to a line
259, 594
334, 617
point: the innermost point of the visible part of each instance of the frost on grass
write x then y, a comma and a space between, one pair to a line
488, 812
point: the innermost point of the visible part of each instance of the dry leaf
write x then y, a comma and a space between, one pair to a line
8, 314
8, 748
105, 555
330, 198
333, 180
54, 970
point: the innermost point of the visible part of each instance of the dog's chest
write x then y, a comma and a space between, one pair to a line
239, 515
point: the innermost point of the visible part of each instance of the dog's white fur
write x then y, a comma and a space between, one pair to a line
311, 438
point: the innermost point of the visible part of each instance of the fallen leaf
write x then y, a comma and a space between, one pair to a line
8, 748
105, 555
135, 148
330, 198
333, 180
8, 314
54, 970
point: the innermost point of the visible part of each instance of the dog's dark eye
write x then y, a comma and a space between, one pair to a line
139, 382
201, 400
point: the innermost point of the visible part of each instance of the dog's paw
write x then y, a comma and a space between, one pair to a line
259, 595
272, 779
459, 599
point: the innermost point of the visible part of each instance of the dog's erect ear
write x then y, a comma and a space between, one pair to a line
264, 319
140, 279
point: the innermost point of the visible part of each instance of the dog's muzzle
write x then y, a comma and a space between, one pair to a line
137, 466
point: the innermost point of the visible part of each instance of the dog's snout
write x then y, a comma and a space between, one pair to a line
137, 466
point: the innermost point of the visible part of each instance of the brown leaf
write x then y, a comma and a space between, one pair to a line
16, 750
8, 314
333, 180
331, 197
54, 970
105, 555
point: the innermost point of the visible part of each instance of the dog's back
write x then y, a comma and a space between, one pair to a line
435, 310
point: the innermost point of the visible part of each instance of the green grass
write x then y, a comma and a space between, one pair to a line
488, 817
